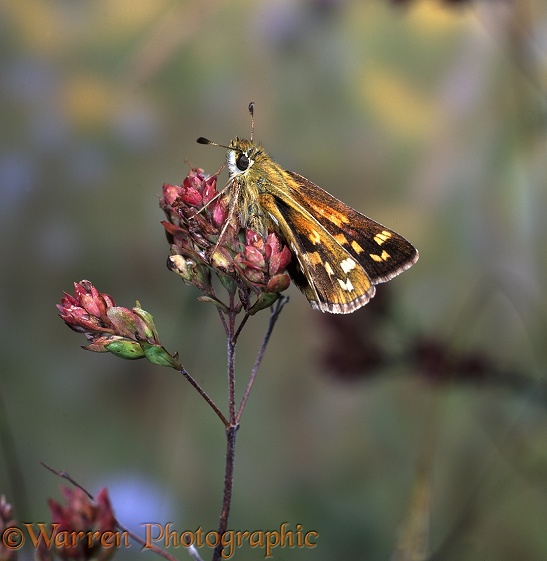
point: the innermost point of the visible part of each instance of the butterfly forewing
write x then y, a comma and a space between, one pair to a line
326, 273
380, 251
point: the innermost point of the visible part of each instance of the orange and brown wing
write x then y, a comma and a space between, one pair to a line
380, 251
328, 275
340, 253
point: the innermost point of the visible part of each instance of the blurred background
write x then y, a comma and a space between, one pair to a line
417, 426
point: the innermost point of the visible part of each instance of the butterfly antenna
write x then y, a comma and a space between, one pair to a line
202, 140
252, 114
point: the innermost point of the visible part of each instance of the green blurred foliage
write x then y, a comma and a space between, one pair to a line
430, 119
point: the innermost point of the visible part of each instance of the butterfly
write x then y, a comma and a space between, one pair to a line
339, 253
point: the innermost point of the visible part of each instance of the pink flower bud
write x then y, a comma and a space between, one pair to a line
170, 193
256, 276
278, 283
254, 239
194, 178
220, 213
274, 242
191, 196
280, 260
254, 258
209, 189
80, 514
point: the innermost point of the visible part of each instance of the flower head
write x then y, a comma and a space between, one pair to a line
205, 237
84, 517
126, 333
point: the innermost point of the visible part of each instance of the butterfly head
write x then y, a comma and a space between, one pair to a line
241, 156
242, 153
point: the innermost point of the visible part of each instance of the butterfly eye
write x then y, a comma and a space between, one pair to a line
242, 162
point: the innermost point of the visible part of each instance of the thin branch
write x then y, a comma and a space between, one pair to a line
203, 394
231, 357
274, 315
64, 475
223, 320
240, 327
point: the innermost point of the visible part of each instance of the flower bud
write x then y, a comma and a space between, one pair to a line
265, 300
220, 213
190, 272
209, 189
279, 283
80, 515
222, 260
191, 196
156, 354
124, 348
117, 330
126, 323
279, 260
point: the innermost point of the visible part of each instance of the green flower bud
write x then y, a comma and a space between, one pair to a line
156, 354
124, 348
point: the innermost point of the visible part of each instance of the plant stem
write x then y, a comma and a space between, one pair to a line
274, 315
231, 381
233, 425
204, 395
231, 433
241, 325
231, 430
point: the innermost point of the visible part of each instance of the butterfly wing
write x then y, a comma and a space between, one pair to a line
324, 271
380, 251
341, 253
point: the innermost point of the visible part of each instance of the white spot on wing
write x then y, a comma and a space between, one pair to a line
346, 285
347, 265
